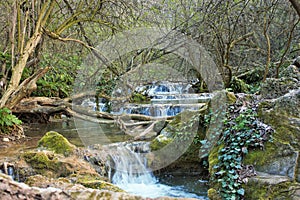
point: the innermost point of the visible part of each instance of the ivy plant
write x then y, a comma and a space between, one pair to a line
243, 131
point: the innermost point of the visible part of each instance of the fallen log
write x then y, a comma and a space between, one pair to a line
40, 109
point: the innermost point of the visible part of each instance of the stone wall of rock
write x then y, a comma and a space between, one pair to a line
277, 164
279, 160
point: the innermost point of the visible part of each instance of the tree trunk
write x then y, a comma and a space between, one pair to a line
17, 70
296, 5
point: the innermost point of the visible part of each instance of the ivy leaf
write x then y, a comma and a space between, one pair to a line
245, 150
203, 142
241, 191
220, 173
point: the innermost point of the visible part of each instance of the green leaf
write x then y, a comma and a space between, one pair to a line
241, 191
203, 142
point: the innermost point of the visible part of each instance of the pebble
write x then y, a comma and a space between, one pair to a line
5, 140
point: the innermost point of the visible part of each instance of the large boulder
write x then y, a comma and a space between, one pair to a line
279, 159
182, 134
57, 143
52, 165
266, 186
280, 156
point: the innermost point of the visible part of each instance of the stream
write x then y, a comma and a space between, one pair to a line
129, 168
143, 183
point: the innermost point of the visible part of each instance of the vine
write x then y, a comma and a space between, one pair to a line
242, 132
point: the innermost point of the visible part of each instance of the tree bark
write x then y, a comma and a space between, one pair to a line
29, 48
296, 5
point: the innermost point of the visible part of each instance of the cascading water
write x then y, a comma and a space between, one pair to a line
167, 99
132, 175
129, 165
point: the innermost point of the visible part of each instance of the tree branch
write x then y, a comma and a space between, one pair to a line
296, 5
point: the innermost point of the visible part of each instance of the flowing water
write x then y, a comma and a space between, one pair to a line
167, 99
130, 168
132, 175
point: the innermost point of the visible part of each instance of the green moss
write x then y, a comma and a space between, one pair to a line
287, 135
102, 185
213, 157
231, 98
256, 190
261, 157
139, 98
213, 194
96, 182
57, 143
159, 142
239, 86
41, 160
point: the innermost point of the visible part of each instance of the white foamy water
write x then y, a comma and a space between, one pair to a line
132, 175
157, 190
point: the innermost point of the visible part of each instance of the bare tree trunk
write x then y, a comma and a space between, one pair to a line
17, 69
268, 61
296, 5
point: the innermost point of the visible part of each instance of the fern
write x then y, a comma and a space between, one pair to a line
7, 120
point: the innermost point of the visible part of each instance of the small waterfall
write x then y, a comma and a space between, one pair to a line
130, 168
129, 171
9, 169
167, 99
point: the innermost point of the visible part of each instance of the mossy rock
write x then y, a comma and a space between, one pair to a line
261, 188
213, 194
231, 98
277, 158
185, 116
159, 142
39, 181
139, 98
239, 86
213, 160
41, 160
57, 143
53, 165
102, 185
273, 88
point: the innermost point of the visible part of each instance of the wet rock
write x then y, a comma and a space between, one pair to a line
67, 182
52, 165
57, 143
100, 184
60, 189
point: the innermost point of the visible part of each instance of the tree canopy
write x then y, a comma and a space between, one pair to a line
50, 36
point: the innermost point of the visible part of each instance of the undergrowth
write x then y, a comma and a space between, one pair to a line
242, 132
7, 120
